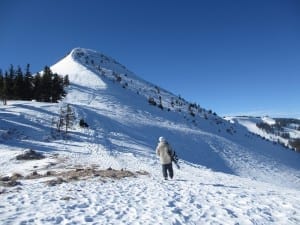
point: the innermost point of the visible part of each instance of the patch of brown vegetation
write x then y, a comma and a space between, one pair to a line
142, 172
10, 181
34, 175
87, 173
70, 175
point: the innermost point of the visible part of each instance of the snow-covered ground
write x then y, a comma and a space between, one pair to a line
227, 175
196, 196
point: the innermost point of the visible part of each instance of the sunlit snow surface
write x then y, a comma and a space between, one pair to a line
227, 175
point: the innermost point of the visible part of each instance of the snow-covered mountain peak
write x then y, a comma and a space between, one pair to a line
78, 73
97, 60
91, 69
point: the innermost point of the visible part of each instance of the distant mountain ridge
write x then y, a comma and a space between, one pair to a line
285, 131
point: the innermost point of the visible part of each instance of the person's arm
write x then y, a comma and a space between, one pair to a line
157, 151
170, 150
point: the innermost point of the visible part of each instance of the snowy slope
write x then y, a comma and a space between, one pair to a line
227, 175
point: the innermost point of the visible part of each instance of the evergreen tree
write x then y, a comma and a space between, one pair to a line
66, 118
9, 81
46, 85
70, 117
66, 81
1, 84
18, 84
37, 80
57, 89
5, 90
28, 84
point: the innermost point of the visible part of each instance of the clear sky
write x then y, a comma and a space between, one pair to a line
231, 56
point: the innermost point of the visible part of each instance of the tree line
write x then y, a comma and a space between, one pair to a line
43, 87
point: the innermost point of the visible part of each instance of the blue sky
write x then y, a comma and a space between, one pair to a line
230, 56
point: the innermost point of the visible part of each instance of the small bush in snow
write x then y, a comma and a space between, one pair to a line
82, 123
160, 106
295, 143
118, 78
152, 101
30, 155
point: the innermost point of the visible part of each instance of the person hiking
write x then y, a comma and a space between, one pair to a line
165, 152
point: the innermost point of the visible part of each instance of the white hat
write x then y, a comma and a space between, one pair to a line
161, 139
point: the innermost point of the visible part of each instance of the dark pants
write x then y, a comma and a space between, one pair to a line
167, 168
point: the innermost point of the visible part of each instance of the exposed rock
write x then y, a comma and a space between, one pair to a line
30, 155
10, 183
57, 181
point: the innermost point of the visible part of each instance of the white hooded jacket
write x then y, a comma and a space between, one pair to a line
162, 151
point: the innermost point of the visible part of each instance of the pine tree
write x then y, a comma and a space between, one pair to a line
1, 84
5, 90
66, 81
70, 117
66, 118
9, 81
57, 89
37, 89
28, 84
46, 85
18, 85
